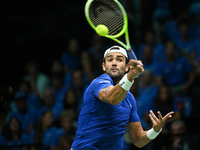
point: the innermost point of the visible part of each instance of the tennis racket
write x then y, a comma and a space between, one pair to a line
110, 13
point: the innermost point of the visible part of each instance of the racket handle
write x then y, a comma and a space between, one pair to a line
131, 54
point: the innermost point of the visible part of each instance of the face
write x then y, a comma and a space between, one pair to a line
73, 46
56, 67
48, 97
184, 29
70, 98
115, 65
47, 118
66, 123
77, 79
163, 93
170, 49
14, 124
149, 37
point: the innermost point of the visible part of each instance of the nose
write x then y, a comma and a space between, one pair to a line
114, 62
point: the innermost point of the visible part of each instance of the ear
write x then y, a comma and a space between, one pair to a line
103, 66
127, 67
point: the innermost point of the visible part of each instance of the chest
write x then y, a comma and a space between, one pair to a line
120, 112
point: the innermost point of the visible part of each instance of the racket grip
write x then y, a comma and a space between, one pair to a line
131, 54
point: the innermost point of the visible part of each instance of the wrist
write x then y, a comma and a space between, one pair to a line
130, 77
152, 134
125, 83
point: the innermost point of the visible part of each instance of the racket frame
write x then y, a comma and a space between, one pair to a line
124, 30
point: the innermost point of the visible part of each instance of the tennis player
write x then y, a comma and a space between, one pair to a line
109, 107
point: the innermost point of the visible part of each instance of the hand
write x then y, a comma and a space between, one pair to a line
135, 69
159, 122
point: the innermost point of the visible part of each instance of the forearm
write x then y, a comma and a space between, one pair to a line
115, 94
139, 136
112, 94
141, 140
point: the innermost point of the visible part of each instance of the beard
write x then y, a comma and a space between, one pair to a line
115, 77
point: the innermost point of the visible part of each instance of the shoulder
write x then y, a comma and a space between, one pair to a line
104, 78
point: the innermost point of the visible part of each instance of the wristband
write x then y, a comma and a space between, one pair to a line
125, 83
151, 134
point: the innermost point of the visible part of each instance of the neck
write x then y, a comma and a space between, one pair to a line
116, 79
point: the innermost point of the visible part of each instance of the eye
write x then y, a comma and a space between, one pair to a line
120, 59
109, 59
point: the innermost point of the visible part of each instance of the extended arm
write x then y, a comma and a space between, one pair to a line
139, 136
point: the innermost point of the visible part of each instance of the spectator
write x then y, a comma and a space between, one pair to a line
71, 102
41, 137
66, 129
185, 43
49, 103
171, 26
96, 49
38, 81
23, 113
33, 101
178, 137
88, 67
164, 102
147, 94
79, 86
174, 71
57, 69
64, 142
157, 48
147, 59
57, 84
70, 57
13, 137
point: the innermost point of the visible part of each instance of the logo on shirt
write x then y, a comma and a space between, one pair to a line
130, 104
104, 82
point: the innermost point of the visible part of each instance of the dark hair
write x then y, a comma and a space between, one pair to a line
159, 104
6, 131
38, 129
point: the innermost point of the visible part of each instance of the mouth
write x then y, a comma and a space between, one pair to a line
114, 69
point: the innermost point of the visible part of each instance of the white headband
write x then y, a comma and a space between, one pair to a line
116, 49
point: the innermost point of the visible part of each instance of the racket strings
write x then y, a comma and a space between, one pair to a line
107, 12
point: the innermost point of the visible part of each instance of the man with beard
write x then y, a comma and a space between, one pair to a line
109, 106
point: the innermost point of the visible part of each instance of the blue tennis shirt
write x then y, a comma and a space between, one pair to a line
102, 125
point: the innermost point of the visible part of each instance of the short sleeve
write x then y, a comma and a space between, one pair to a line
133, 114
100, 83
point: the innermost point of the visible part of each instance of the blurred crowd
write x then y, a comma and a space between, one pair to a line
44, 110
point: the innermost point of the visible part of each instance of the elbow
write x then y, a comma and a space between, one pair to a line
113, 102
138, 144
